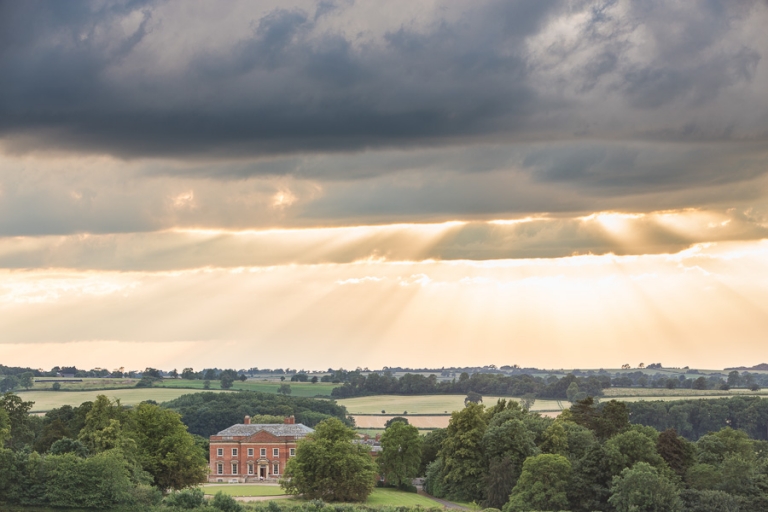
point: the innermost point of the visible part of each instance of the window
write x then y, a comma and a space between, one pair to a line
250, 452
275, 469
219, 452
250, 469
275, 452
234, 452
219, 469
234, 469
263, 452
293, 452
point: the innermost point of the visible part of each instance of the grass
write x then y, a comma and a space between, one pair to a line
685, 393
301, 389
426, 404
396, 498
86, 384
47, 400
378, 498
244, 489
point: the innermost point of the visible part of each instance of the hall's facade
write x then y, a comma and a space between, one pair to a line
250, 452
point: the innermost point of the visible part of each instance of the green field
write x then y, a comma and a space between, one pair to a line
47, 400
427, 404
396, 405
679, 393
302, 389
86, 384
244, 489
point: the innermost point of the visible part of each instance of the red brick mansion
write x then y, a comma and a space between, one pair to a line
249, 452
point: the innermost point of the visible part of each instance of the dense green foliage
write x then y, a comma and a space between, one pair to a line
330, 465
695, 418
479, 384
98, 455
205, 414
400, 454
591, 458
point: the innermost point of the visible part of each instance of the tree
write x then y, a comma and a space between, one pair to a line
734, 379
27, 380
499, 482
330, 466
613, 418
396, 419
226, 381
507, 442
206, 384
473, 397
188, 374
5, 427
700, 383
9, 384
56, 386
165, 449
714, 448
174, 374
462, 454
153, 373
572, 391
542, 485
527, 401
17, 412
284, 389
314, 379
642, 488
631, 447
676, 451
400, 453
430, 447
66, 445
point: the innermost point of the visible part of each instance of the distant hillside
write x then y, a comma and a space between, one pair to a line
763, 367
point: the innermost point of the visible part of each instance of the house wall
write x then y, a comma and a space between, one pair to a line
257, 442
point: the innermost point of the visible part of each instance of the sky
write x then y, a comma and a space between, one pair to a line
340, 183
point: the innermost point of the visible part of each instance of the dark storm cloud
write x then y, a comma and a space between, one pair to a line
112, 77
283, 88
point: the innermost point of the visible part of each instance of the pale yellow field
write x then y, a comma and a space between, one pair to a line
47, 400
678, 393
416, 421
428, 404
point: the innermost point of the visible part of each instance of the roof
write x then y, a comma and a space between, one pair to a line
276, 429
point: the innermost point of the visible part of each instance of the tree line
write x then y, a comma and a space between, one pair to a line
207, 413
97, 455
481, 383
693, 419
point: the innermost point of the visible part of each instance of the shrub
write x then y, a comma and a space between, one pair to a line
188, 499
226, 503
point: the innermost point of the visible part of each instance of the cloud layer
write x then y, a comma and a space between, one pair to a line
502, 178
144, 78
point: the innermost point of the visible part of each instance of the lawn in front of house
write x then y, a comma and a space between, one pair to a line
244, 489
378, 498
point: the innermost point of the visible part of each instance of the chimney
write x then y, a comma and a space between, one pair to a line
289, 420
247, 420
